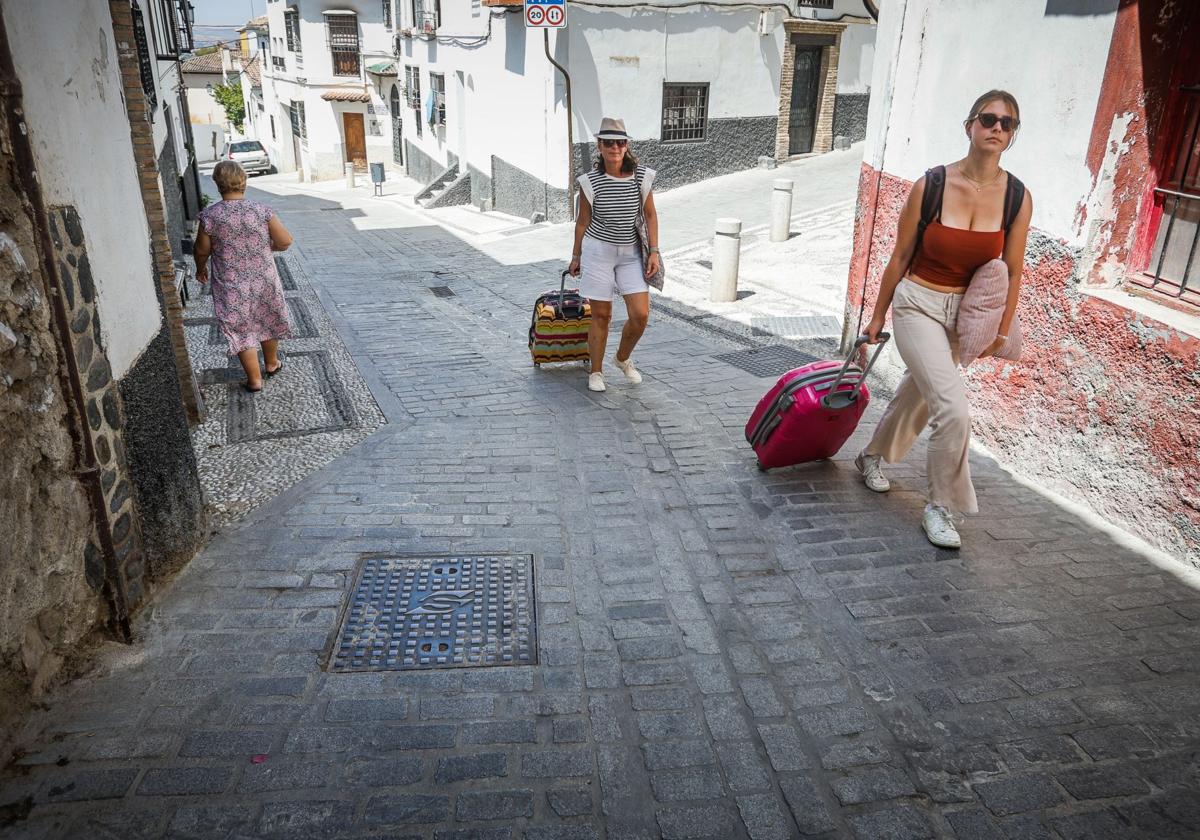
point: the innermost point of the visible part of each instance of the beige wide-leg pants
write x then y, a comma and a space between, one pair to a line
930, 394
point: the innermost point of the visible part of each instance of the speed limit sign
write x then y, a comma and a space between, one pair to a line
545, 14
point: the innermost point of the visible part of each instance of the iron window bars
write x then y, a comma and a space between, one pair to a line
171, 21
387, 14
1174, 259
145, 65
412, 92
296, 113
685, 112
291, 29
342, 30
437, 89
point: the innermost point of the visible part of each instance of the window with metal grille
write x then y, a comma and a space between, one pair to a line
145, 65
387, 14
162, 14
817, 4
296, 113
437, 89
343, 43
412, 92
427, 16
278, 62
685, 112
291, 28
1174, 268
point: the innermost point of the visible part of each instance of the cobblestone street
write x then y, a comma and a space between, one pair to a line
721, 653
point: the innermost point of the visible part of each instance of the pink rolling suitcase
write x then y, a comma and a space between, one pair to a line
811, 411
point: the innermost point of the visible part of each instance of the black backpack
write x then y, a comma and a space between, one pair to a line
935, 189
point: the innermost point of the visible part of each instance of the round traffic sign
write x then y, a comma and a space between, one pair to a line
534, 15
554, 15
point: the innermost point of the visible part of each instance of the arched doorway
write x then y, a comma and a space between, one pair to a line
397, 137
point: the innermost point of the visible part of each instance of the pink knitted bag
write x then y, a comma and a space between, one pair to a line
980, 312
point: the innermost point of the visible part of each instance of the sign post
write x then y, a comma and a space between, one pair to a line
545, 14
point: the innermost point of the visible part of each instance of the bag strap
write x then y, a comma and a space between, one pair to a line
1014, 199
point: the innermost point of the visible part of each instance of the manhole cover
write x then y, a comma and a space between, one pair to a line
438, 612
442, 291
770, 361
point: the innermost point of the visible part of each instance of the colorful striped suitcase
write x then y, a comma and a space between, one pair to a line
811, 411
559, 330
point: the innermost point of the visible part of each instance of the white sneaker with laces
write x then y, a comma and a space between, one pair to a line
627, 368
596, 382
939, 527
873, 477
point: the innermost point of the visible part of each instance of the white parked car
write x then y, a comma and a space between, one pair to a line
250, 154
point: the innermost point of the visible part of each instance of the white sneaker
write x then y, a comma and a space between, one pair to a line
627, 368
874, 478
939, 527
596, 382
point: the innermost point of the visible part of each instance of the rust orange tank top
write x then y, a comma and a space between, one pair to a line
949, 256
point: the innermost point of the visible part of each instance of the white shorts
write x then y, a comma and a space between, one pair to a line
606, 269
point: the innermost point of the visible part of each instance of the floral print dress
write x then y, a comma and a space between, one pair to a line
247, 295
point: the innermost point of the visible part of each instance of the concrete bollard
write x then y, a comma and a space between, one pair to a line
349, 176
781, 210
727, 251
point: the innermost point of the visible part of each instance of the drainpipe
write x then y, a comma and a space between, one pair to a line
87, 466
570, 129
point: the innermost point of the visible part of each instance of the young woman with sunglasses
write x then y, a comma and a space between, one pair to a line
923, 284
607, 250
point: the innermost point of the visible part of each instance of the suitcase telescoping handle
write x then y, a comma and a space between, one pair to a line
562, 296
840, 399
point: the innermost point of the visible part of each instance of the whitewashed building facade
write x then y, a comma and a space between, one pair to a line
462, 96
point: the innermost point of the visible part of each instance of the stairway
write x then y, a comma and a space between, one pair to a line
447, 189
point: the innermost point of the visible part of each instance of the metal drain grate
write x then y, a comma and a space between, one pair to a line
442, 291
438, 612
770, 361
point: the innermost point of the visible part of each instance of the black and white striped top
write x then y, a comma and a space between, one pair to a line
615, 203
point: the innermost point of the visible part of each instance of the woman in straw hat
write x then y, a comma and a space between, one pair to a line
607, 250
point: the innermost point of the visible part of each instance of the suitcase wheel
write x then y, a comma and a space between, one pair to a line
537, 364
758, 464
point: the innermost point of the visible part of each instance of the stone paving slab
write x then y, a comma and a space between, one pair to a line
250, 447
722, 652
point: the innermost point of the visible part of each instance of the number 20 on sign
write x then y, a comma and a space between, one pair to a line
545, 14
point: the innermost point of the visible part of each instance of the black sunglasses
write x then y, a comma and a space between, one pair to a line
989, 121
620, 144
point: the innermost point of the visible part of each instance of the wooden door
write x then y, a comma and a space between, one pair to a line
802, 120
356, 141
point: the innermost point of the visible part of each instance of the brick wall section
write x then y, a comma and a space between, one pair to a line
142, 135
823, 138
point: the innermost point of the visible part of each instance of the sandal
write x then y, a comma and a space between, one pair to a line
246, 387
271, 373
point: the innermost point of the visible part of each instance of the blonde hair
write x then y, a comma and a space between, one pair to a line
229, 177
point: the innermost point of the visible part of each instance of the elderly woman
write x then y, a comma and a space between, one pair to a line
238, 235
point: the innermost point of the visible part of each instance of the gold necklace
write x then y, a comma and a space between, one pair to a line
979, 185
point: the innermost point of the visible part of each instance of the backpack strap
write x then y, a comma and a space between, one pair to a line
931, 201
1014, 199
931, 205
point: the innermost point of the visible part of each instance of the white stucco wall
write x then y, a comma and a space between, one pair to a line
620, 60
952, 51
202, 107
507, 96
856, 59
72, 89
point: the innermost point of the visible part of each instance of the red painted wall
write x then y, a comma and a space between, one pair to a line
1105, 405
